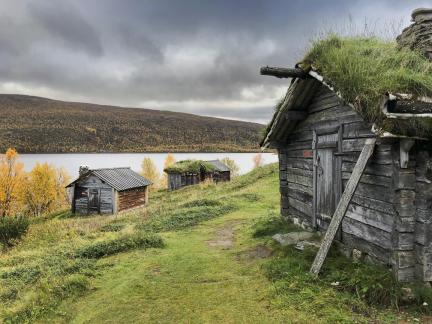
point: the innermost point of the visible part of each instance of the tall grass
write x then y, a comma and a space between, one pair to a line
364, 69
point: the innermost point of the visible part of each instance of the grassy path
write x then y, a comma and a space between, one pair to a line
210, 273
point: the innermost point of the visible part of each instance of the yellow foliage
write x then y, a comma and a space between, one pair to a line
170, 160
150, 172
45, 189
11, 180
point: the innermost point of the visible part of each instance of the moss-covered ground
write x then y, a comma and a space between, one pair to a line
202, 254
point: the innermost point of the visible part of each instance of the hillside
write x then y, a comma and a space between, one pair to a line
40, 125
202, 254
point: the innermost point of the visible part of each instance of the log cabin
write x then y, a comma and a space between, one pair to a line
191, 172
107, 191
355, 158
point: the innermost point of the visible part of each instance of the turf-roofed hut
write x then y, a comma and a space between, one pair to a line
355, 101
191, 172
107, 191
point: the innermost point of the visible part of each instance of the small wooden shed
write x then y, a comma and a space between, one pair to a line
190, 172
107, 191
321, 138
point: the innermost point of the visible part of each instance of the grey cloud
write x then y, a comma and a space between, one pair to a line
65, 22
135, 51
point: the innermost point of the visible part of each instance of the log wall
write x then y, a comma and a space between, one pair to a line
132, 198
369, 221
423, 217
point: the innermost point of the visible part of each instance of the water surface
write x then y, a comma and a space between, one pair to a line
72, 161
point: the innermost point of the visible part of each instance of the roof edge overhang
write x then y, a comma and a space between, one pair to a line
298, 86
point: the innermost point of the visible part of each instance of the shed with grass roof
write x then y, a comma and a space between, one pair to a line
190, 172
107, 191
354, 101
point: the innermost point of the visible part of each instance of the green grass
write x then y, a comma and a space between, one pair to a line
190, 166
210, 269
364, 69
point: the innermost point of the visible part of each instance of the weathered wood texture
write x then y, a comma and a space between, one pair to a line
100, 193
423, 216
371, 209
343, 205
180, 180
132, 198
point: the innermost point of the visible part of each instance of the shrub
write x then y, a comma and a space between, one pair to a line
12, 229
113, 227
120, 244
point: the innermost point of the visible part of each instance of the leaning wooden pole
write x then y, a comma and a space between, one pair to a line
343, 205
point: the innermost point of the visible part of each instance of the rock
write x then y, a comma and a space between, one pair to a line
407, 295
292, 238
356, 255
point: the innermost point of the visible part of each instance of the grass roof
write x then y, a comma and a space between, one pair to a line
362, 70
190, 166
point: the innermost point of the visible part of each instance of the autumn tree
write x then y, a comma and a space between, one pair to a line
234, 168
257, 160
150, 172
170, 160
11, 181
45, 189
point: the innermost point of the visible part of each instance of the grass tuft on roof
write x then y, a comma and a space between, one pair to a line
190, 166
362, 70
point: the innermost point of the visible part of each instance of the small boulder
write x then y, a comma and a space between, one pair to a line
292, 238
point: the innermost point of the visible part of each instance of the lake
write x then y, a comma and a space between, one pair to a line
72, 161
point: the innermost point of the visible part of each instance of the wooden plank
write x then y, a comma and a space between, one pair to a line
371, 217
343, 205
371, 169
368, 233
302, 172
304, 181
299, 187
302, 206
357, 130
296, 115
299, 163
374, 204
375, 180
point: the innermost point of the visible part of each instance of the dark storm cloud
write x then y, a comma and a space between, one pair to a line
65, 23
192, 55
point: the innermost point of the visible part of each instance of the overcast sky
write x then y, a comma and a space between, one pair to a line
197, 56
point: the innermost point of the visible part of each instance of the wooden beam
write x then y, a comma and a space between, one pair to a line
405, 145
343, 205
284, 72
296, 115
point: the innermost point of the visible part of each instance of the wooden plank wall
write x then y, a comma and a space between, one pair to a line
369, 221
132, 198
423, 218
105, 194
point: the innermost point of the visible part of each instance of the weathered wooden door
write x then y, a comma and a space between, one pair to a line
93, 201
327, 178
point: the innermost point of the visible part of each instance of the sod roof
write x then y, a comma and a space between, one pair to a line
190, 166
362, 70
